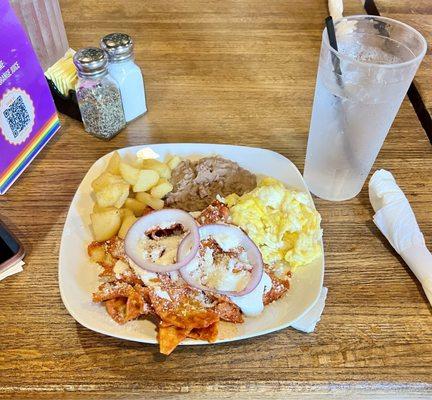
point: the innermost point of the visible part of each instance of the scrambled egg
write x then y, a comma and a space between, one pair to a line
281, 222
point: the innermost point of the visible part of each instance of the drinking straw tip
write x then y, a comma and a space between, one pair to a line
331, 32
333, 43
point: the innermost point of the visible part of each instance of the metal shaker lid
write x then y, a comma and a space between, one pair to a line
119, 46
90, 61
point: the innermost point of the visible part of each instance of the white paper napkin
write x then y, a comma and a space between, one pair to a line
308, 322
335, 8
14, 269
396, 220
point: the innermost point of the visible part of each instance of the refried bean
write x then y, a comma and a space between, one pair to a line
196, 183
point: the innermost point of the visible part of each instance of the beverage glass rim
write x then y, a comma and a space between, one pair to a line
343, 56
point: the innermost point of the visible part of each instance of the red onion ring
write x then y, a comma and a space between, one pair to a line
252, 251
156, 219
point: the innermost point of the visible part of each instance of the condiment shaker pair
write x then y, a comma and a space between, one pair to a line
110, 86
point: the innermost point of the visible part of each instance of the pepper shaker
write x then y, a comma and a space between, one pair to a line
98, 94
127, 74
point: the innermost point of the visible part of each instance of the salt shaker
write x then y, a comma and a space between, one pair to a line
98, 94
127, 74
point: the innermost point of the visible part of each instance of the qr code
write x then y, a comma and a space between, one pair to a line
17, 116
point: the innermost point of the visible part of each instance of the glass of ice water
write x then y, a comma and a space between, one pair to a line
358, 92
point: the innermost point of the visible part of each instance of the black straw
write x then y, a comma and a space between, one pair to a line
331, 32
333, 43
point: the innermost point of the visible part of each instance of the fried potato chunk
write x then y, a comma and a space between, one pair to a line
105, 224
136, 206
114, 164
129, 174
162, 188
161, 168
106, 179
147, 178
125, 226
112, 195
156, 204
173, 162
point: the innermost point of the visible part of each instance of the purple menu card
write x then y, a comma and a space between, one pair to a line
28, 118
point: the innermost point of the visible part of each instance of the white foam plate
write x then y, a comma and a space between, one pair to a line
78, 276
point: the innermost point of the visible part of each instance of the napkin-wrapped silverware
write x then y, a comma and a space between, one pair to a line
395, 218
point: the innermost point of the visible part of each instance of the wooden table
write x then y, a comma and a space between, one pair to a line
418, 14
239, 72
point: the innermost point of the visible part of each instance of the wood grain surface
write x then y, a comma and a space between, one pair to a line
237, 72
418, 14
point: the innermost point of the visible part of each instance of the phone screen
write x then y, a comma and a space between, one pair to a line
8, 245
5, 252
